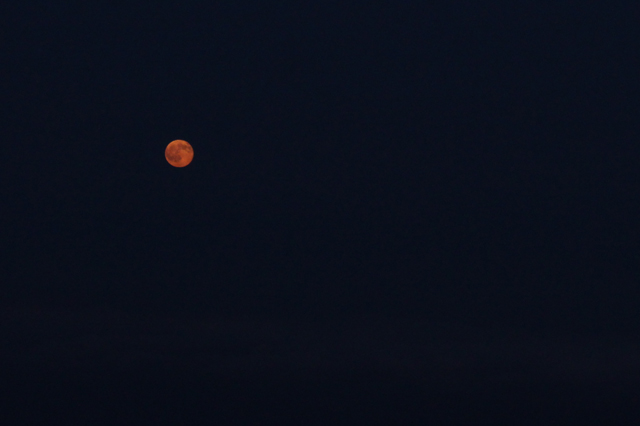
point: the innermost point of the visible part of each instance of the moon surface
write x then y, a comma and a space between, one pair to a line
179, 153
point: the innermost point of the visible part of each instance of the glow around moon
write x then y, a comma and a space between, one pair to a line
179, 153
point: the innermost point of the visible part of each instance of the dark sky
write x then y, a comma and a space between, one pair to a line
400, 212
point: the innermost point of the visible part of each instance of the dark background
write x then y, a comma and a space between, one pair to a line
397, 212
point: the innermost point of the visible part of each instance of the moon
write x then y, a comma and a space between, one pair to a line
179, 153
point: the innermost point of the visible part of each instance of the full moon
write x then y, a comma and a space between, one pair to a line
179, 153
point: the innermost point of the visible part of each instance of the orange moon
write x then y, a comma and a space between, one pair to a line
179, 153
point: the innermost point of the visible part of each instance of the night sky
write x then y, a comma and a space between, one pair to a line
397, 213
